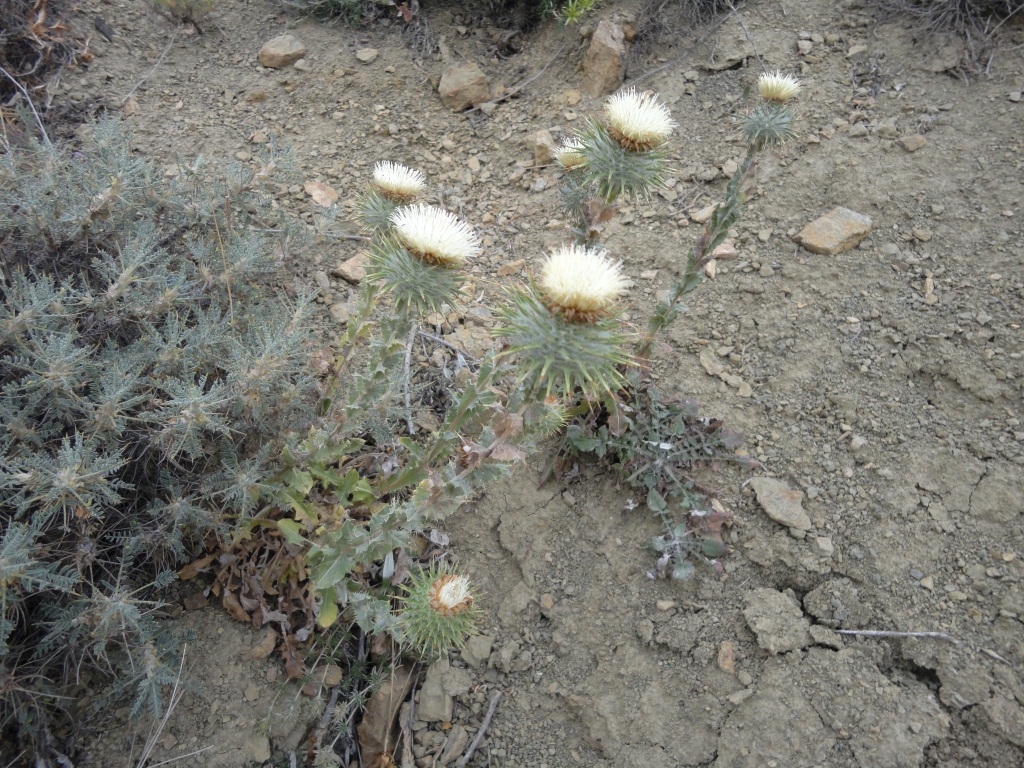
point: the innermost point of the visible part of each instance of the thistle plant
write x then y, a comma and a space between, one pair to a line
622, 155
655, 443
438, 612
766, 125
565, 332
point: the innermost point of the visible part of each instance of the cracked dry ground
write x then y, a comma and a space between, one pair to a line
883, 383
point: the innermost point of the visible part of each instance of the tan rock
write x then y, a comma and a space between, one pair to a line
463, 86
782, 503
281, 51
838, 230
913, 143
322, 194
353, 270
605, 62
543, 148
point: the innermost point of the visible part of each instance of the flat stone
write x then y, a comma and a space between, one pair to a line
703, 214
463, 86
782, 503
458, 740
434, 704
322, 195
340, 312
838, 230
352, 270
477, 650
367, 55
264, 645
543, 148
281, 51
778, 622
605, 62
913, 143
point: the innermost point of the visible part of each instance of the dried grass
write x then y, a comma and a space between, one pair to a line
36, 43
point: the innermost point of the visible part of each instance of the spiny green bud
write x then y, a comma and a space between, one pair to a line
438, 612
768, 124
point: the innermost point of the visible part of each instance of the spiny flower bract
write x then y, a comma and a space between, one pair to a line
581, 283
435, 235
638, 121
397, 181
775, 86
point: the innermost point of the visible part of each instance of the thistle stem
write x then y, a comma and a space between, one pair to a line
715, 231
406, 378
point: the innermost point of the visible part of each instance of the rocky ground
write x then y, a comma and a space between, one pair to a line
879, 387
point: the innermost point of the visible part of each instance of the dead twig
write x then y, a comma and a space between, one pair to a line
698, 41
480, 734
153, 69
452, 347
31, 106
171, 705
525, 83
887, 633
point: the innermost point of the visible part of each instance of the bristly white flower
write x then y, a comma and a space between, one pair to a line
396, 181
581, 283
775, 86
638, 121
452, 593
570, 154
435, 235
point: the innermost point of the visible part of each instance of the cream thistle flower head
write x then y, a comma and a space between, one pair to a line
775, 86
570, 154
438, 611
435, 235
397, 182
449, 595
581, 283
638, 121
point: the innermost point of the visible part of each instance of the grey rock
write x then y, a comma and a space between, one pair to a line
477, 650
777, 620
434, 703
455, 746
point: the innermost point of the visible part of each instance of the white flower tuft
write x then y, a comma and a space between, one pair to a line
435, 235
581, 281
638, 120
395, 180
775, 86
570, 154
453, 593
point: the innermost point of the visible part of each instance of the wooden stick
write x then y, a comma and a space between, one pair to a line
480, 734
159, 61
886, 633
525, 83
